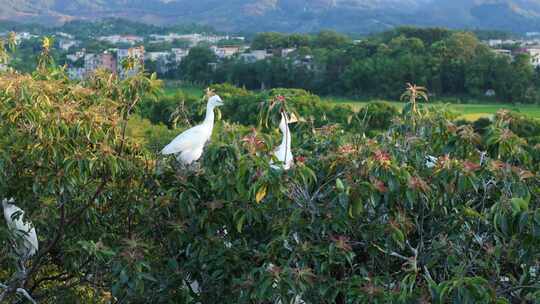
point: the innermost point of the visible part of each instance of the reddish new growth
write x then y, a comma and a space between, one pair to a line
278, 98
445, 162
252, 142
523, 174
342, 242
346, 149
300, 159
383, 158
470, 166
417, 183
379, 185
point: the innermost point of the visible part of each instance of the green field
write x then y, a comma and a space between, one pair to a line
470, 111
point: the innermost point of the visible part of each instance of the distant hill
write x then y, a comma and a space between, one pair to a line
361, 16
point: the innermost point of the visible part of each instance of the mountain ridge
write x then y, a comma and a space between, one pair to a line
361, 16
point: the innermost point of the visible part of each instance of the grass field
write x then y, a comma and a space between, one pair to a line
469, 111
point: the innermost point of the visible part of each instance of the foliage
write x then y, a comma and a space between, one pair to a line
378, 115
447, 62
196, 66
358, 219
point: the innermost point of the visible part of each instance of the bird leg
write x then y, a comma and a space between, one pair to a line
12, 287
25, 294
21, 268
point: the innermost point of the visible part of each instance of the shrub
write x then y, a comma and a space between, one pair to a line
378, 115
357, 219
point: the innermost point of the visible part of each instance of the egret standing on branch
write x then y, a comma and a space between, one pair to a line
189, 145
23, 234
25, 241
283, 152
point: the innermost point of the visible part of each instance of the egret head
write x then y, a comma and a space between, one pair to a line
286, 119
6, 202
215, 101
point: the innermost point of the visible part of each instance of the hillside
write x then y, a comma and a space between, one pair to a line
290, 15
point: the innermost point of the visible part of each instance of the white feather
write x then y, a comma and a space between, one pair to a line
431, 161
283, 152
22, 231
189, 145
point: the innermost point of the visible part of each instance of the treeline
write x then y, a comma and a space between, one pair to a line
82, 29
447, 62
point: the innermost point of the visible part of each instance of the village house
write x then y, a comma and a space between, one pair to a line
503, 52
534, 53
255, 56
127, 39
105, 60
226, 51
65, 44
78, 55
179, 54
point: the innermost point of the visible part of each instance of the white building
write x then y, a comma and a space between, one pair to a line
226, 51
64, 35
535, 56
255, 55
91, 62
503, 52
179, 54
193, 39
65, 44
154, 56
287, 52
495, 42
534, 53
128, 39
78, 55
24, 36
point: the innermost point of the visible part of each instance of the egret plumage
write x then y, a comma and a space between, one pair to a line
23, 233
189, 145
283, 152
431, 161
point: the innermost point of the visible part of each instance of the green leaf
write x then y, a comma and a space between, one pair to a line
339, 185
240, 223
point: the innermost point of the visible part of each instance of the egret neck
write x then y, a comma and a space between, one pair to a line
286, 141
209, 119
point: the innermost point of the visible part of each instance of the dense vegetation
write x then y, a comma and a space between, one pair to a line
447, 62
104, 27
360, 218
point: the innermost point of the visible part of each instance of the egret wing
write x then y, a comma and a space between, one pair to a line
188, 139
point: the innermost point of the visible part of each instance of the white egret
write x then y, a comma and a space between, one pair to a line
283, 152
190, 144
431, 161
24, 234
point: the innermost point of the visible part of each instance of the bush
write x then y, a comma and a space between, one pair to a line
356, 220
378, 115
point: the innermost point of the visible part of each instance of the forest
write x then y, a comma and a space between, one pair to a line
449, 63
380, 205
